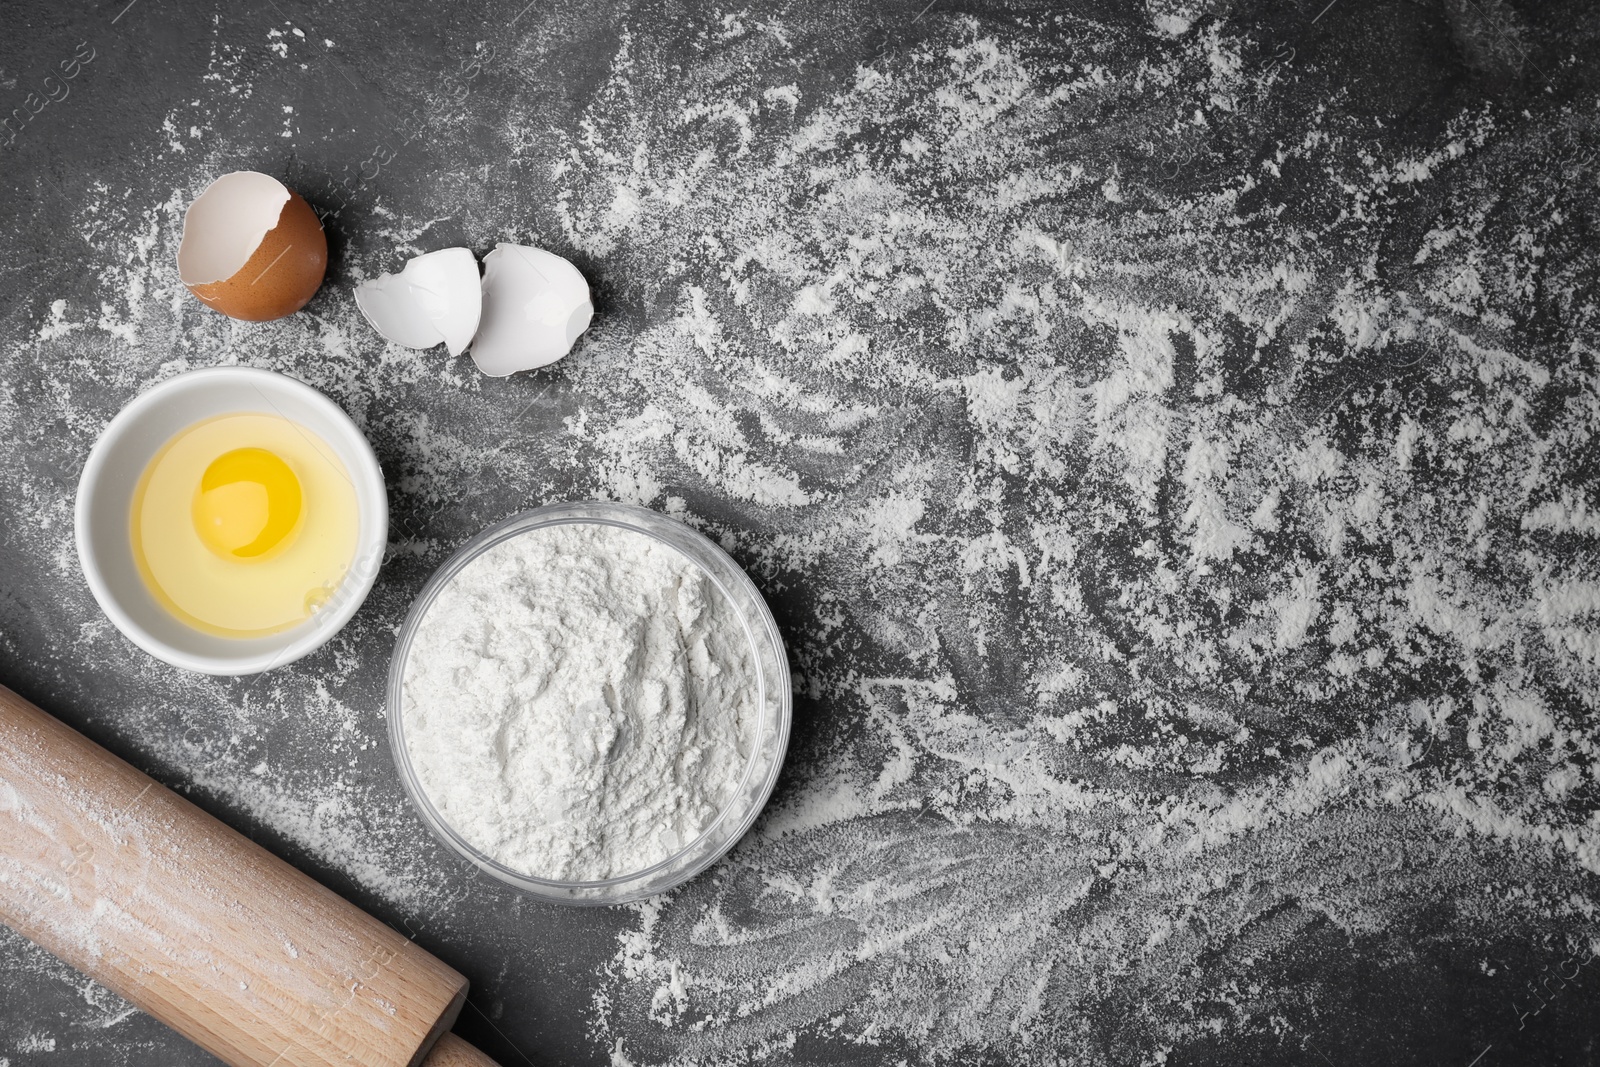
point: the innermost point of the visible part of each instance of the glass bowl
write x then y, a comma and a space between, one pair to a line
774, 703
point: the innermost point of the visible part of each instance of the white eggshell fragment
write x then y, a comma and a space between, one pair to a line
535, 305
435, 298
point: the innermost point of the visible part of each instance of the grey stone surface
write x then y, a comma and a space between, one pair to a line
1007, 752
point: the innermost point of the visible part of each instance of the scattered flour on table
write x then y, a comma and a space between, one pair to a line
1188, 508
1178, 482
579, 702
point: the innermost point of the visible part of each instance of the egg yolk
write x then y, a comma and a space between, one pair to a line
248, 504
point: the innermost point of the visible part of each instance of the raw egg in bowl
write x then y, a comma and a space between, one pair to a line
231, 520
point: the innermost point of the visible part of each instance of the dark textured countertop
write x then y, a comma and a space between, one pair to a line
1165, 431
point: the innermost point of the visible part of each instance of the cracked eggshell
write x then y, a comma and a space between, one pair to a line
252, 248
535, 305
434, 298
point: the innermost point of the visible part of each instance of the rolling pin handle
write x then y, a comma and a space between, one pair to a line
451, 1051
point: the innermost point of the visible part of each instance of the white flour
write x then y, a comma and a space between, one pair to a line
1178, 486
579, 702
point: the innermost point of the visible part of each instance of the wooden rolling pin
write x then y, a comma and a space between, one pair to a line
202, 928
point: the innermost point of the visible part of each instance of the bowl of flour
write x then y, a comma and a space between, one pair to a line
589, 701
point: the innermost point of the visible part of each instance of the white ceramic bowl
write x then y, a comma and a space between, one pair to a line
105, 503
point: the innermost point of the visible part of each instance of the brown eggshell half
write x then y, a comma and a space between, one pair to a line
282, 274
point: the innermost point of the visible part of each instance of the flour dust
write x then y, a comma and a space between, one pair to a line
1174, 473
